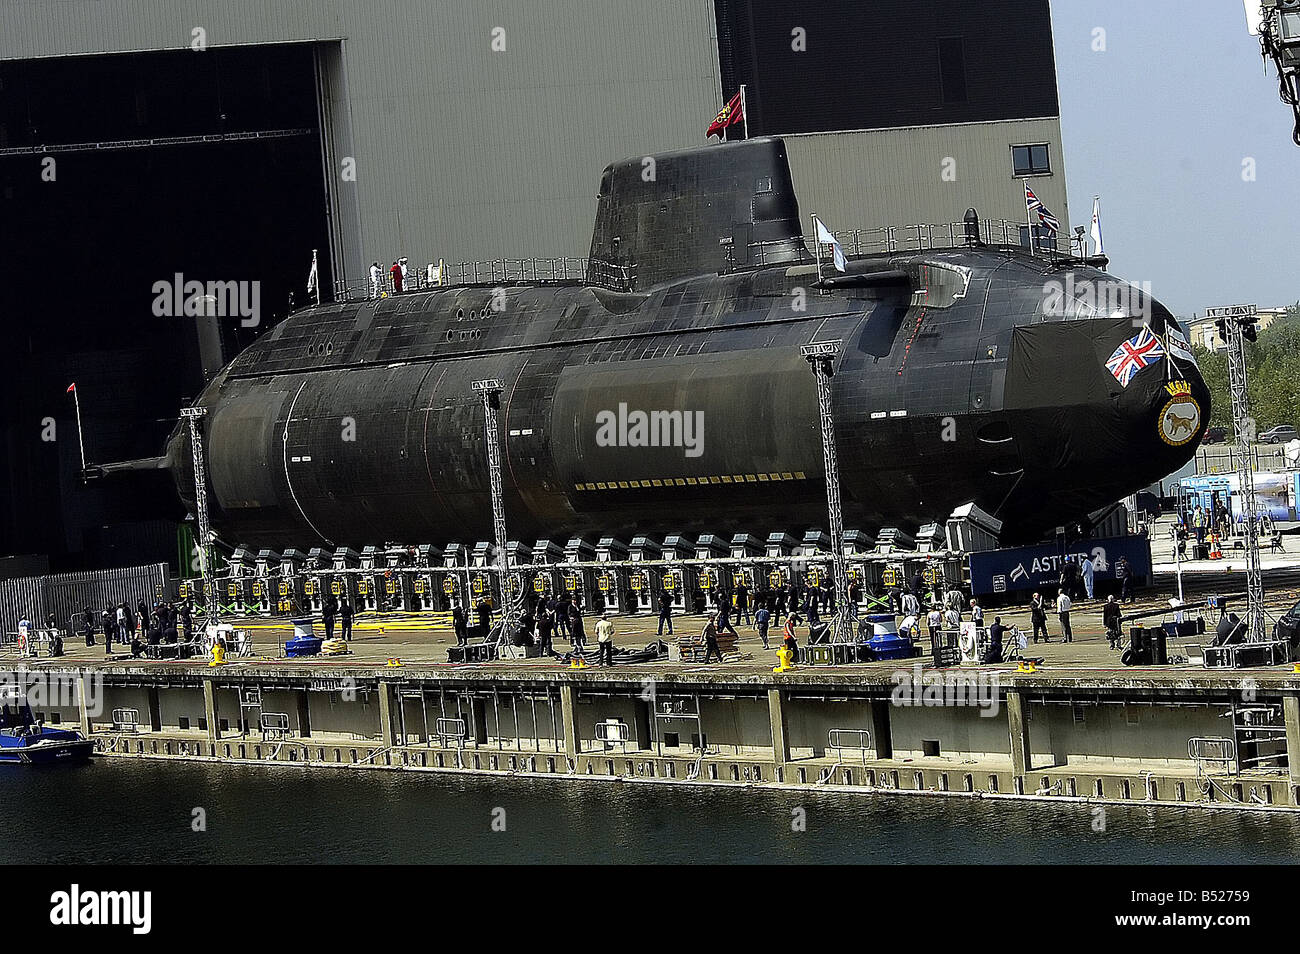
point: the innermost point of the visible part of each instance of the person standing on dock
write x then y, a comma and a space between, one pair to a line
562, 616
1110, 616
345, 620
665, 611
376, 279
545, 622
934, 620
1089, 576
460, 623
107, 621
577, 632
1063, 611
911, 605
724, 620
1125, 580
605, 640
761, 620
742, 602
788, 637
710, 635
328, 611
1038, 614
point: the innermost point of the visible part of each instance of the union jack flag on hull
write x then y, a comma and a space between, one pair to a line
1037, 207
1135, 354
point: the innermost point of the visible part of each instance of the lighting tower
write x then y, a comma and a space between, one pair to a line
1277, 24
511, 602
206, 565
821, 357
1236, 326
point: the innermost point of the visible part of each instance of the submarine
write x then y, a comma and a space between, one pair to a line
666, 391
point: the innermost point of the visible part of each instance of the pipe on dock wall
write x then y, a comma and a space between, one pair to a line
780, 738
1018, 723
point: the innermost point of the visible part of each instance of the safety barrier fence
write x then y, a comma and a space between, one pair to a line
66, 595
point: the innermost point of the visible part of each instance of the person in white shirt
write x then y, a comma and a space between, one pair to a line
934, 619
605, 640
952, 619
976, 613
911, 605
907, 628
1063, 611
376, 279
1089, 572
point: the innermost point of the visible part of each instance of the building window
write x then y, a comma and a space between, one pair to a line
952, 69
1031, 160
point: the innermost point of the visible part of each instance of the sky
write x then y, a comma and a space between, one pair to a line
1158, 125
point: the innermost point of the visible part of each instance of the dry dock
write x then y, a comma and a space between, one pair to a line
1082, 727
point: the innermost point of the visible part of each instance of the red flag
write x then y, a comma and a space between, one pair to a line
71, 387
729, 115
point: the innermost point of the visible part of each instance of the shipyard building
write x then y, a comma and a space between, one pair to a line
226, 141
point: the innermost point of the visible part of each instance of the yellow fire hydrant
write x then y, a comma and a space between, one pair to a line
785, 660
218, 654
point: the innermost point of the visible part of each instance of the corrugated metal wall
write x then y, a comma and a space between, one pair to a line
895, 176
464, 153
461, 152
67, 594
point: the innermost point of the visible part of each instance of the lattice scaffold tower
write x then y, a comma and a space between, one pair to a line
821, 357
510, 585
211, 603
1235, 333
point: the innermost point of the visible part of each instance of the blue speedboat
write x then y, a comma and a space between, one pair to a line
26, 741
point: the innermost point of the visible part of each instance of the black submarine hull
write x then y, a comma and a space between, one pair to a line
380, 436
687, 407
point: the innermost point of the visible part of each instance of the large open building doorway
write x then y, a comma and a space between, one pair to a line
116, 173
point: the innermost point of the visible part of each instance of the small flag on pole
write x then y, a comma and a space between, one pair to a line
826, 237
1098, 248
71, 387
1036, 207
1140, 351
729, 115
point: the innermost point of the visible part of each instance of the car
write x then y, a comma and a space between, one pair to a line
1280, 434
1215, 435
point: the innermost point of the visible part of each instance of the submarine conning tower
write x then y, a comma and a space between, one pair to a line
693, 212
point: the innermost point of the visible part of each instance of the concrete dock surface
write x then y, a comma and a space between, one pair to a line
421, 641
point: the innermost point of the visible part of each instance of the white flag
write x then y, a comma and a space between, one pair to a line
1098, 248
825, 237
312, 278
823, 233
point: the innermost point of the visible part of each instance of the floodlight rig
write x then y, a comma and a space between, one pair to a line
821, 357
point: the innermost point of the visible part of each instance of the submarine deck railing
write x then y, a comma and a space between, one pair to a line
908, 238
592, 271
502, 271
